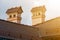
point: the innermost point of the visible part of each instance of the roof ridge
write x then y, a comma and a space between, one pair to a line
48, 21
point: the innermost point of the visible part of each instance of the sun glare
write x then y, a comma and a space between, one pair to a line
36, 3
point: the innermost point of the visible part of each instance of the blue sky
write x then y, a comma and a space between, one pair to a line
52, 6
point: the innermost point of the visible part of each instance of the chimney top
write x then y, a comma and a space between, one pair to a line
16, 9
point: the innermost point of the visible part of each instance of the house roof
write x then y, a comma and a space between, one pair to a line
19, 28
50, 27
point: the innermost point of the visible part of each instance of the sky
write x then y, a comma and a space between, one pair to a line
52, 6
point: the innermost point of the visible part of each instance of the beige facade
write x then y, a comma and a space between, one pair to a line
14, 14
40, 30
38, 14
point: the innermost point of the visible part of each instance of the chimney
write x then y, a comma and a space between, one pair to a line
38, 14
14, 14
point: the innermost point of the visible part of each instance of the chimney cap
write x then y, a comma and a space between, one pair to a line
40, 8
16, 9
